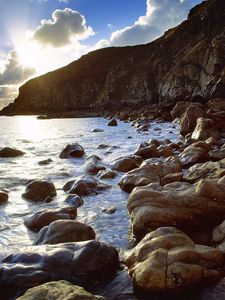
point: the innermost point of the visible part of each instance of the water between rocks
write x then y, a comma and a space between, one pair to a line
43, 139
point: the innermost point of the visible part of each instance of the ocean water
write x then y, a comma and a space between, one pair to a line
43, 139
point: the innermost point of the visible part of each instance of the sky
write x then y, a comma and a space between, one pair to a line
38, 36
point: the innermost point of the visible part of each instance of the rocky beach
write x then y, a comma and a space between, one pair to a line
114, 187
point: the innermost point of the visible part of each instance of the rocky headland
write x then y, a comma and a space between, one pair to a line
186, 63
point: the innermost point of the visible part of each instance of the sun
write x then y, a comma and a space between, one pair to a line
28, 55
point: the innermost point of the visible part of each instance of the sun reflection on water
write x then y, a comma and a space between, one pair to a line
29, 128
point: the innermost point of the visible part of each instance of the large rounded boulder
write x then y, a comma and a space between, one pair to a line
72, 150
39, 190
63, 231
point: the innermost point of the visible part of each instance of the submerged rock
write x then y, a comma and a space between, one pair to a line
45, 217
109, 210
80, 263
45, 162
93, 164
3, 197
97, 130
74, 200
58, 290
63, 231
168, 262
10, 152
39, 190
86, 185
72, 150
107, 174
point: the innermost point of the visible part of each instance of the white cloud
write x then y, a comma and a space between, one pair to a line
13, 72
66, 25
160, 16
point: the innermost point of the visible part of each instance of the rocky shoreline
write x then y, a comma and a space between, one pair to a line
176, 204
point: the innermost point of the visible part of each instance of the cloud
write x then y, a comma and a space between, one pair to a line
65, 26
13, 72
160, 16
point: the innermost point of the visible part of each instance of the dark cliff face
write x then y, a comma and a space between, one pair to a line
187, 62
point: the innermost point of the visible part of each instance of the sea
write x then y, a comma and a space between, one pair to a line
45, 139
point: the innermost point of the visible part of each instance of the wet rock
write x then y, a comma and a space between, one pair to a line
168, 262
86, 185
72, 150
63, 231
195, 209
193, 155
107, 174
109, 210
216, 105
208, 170
42, 117
205, 128
10, 152
58, 290
93, 164
74, 200
45, 162
150, 171
39, 190
80, 263
45, 217
148, 152
154, 142
3, 197
112, 122
127, 163
102, 146
120, 288
189, 118
97, 130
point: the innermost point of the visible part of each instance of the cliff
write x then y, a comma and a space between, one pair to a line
187, 62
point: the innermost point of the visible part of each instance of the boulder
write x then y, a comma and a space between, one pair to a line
195, 209
112, 122
218, 154
58, 290
171, 178
179, 109
3, 197
107, 174
63, 231
189, 118
93, 164
148, 152
208, 170
86, 185
127, 163
193, 155
204, 129
72, 150
168, 262
74, 200
165, 151
45, 217
80, 263
10, 152
39, 190
150, 171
